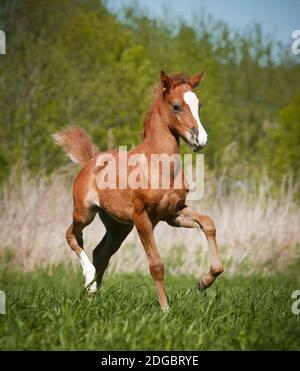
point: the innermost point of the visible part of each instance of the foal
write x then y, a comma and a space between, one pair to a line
172, 115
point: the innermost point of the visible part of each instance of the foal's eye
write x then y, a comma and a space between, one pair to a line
177, 108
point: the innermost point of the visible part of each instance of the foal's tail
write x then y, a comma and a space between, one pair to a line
76, 143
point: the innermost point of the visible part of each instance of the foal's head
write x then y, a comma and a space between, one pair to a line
183, 108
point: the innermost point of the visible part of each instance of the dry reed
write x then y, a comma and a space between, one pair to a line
256, 232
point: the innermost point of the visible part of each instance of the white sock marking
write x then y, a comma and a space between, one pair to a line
192, 101
89, 271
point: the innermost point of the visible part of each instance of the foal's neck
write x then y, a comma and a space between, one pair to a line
158, 135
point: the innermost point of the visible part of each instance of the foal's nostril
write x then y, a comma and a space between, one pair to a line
195, 132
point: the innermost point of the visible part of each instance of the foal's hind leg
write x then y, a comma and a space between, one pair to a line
145, 228
188, 218
110, 243
82, 217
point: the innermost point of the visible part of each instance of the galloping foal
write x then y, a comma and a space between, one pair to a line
172, 115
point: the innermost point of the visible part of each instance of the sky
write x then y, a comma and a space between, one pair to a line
277, 17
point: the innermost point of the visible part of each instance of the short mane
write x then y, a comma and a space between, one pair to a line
180, 79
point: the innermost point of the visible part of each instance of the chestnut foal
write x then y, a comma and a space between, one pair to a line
172, 115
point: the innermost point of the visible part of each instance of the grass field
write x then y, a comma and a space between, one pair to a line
46, 311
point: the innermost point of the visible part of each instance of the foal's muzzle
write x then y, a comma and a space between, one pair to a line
197, 140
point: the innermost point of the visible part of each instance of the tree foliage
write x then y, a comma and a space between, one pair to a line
74, 62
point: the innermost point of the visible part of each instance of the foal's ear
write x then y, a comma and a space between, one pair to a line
165, 80
195, 80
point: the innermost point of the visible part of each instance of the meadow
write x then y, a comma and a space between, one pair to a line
47, 310
249, 306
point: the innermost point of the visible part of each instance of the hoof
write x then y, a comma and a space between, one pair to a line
91, 287
91, 290
91, 296
201, 286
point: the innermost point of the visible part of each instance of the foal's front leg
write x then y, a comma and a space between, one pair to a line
188, 218
145, 230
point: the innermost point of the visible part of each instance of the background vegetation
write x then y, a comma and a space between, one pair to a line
74, 62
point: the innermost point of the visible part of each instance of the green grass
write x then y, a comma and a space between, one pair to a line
45, 311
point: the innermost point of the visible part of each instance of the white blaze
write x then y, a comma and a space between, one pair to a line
192, 101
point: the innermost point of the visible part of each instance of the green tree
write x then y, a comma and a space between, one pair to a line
281, 145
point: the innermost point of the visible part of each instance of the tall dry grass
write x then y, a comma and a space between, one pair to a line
256, 232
